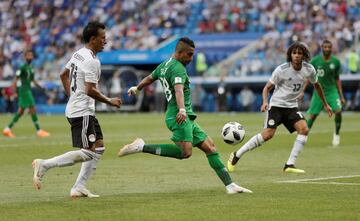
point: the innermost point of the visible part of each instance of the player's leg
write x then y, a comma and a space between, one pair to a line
335, 104
272, 120
16, 117
296, 121
182, 136
165, 150
314, 110
80, 138
208, 147
34, 117
336, 136
7, 130
88, 167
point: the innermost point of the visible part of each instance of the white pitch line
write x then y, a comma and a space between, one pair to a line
331, 183
320, 178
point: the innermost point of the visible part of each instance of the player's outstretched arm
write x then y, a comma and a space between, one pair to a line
92, 91
320, 92
143, 83
38, 85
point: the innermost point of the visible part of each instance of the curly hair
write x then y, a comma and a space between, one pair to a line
298, 46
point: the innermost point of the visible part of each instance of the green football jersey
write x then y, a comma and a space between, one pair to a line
26, 75
170, 73
327, 72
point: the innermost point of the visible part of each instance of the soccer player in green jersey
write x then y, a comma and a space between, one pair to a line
25, 98
328, 69
180, 118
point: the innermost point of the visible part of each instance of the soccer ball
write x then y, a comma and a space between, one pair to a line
233, 133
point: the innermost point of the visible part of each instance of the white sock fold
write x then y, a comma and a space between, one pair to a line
69, 158
299, 143
253, 143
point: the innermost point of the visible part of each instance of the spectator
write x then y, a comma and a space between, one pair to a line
201, 65
353, 61
247, 99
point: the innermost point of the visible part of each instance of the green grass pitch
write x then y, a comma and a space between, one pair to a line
148, 187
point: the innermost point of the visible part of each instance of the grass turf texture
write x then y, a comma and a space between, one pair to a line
147, 187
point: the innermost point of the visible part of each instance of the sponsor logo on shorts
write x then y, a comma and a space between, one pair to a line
92, 138
271, 122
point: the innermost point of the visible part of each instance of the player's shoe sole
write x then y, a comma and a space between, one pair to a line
82, 192
233, 159
134, 147
292, 169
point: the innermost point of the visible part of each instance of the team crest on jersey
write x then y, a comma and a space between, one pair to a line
332, 66
92, 138
271, 122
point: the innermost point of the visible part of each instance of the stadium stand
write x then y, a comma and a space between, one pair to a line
51, 28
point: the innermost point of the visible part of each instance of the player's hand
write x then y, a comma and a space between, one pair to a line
116, 102
133, 90
328, 109
181, 116
264, 107
343, 101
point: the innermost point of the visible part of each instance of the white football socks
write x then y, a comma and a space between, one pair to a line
69, 158
299, 143
253, 143
88, 168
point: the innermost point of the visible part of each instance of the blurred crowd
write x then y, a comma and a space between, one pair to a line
286, 21
53, 29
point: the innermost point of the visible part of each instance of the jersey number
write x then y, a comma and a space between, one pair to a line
296, 87
321, 72
73, 73
166, 88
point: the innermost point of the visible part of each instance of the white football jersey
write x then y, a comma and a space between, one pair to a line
289, 83
84, 67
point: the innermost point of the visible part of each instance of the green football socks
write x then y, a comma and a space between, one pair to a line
216, 163
338, 119
14, 120
165, 150
34, 119
310, 122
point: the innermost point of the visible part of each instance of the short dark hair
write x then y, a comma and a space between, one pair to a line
326, 41
28, 50
91, 30
301, 46
187, 41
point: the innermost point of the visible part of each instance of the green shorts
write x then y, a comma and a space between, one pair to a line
187, 131
316, 106
26, 99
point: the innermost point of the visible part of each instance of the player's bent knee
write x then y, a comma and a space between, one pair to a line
304, 131
267, 136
